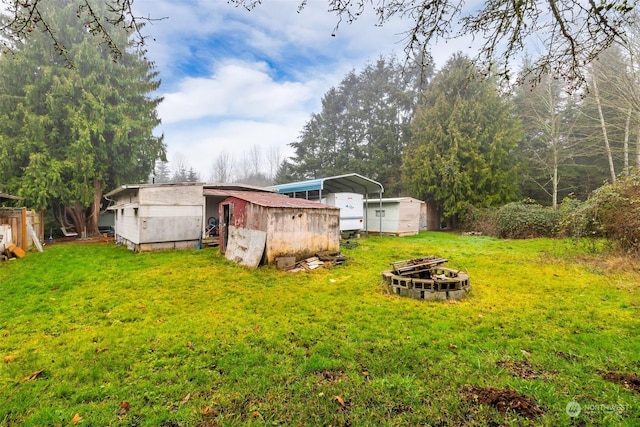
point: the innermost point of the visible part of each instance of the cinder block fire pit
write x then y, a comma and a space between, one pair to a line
426, 279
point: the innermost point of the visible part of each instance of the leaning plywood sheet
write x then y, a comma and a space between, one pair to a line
34, 237
245, 246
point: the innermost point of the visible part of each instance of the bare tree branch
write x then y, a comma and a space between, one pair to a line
571, 36
20, 18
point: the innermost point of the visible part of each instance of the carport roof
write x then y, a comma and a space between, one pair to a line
349, 183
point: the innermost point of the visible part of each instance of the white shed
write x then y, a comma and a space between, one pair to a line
158, 216
400, 216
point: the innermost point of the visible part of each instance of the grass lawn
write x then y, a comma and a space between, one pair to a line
93, 334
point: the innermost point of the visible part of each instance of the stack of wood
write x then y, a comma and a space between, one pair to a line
321, 259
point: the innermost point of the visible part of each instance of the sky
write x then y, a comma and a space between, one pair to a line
234, 80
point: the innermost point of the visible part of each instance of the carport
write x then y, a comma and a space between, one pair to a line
316, 189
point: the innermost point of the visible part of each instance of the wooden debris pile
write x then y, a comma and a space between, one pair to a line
11, 251
321, 259
8, 249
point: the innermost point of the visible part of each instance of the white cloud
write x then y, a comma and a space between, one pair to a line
234, 78
235, 89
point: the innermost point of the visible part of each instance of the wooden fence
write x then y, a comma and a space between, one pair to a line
18, 219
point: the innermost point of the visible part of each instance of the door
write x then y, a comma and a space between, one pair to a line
226, 220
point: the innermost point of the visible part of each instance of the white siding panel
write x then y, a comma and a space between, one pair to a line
170, 211
170, 228
179, 195
127, 225
400, 216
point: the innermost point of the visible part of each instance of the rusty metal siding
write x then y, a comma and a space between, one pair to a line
301, 232
257, 217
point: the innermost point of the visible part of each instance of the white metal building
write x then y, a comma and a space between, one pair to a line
158, 216
400, 216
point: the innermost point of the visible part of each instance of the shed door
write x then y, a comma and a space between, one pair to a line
226, 220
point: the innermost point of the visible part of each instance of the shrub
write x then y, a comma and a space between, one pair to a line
578, 219
526, 219
616, 208
482, 220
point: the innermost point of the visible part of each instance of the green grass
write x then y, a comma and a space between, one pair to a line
188, 338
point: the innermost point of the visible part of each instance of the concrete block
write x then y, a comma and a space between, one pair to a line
387, 276
285, 262
404, 282
435, 296
456, 294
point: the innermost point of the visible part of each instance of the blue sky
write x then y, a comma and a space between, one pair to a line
233, 79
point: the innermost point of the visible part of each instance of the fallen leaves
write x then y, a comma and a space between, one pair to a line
10, 358
76, 419
340, 401
207, 411
124, 408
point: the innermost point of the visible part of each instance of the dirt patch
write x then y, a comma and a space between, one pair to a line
631, 381
75, 240
522, 369
504, 400
329, 376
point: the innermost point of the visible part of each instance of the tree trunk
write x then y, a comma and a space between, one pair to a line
555, 178
638, 148
84, 219
94, 214
76, 214
627, 127
604, 132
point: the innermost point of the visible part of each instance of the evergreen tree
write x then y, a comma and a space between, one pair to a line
162, 172
362, 128
69, 133
180, 174
192, 175
464, 136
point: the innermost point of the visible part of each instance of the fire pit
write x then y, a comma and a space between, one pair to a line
426, 279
